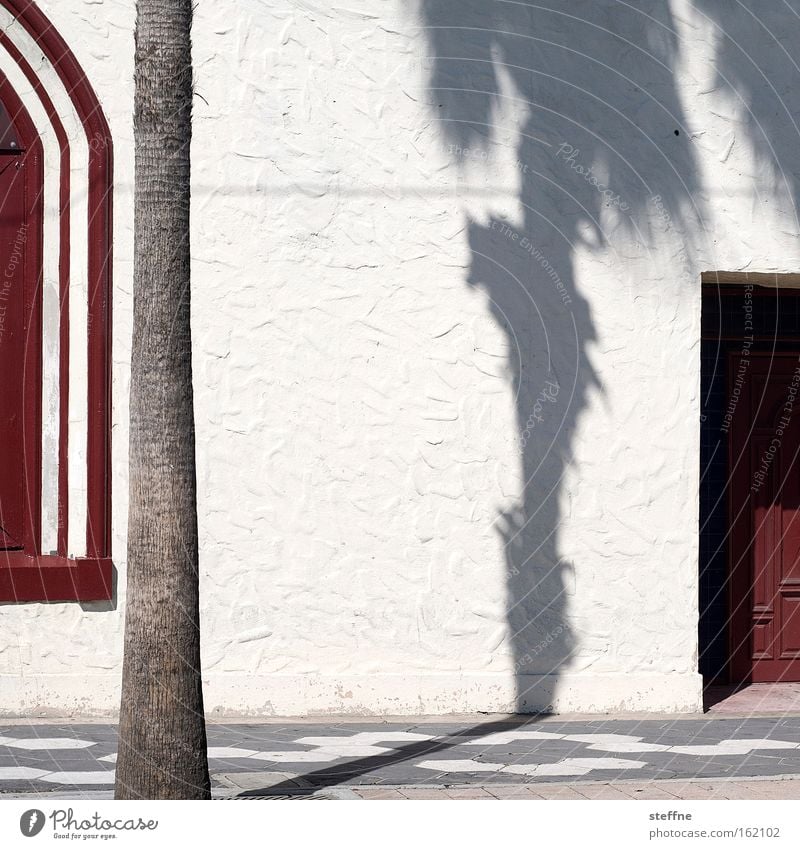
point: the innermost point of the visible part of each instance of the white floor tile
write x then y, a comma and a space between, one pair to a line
460, 766
43, 743
230, 752
12, 773
79, 777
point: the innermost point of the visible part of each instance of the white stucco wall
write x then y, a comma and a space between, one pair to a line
356, 410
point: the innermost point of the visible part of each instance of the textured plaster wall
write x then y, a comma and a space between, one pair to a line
61, 658
357, 424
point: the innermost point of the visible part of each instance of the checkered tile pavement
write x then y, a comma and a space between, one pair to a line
285, 755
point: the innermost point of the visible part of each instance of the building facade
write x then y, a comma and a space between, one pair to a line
486, 301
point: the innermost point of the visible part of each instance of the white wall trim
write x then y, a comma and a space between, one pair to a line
370, 695
79, 287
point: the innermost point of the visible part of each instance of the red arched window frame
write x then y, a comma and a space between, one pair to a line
31, 575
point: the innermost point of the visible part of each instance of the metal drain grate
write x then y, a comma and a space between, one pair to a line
284, 796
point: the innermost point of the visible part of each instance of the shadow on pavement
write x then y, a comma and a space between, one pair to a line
345, 773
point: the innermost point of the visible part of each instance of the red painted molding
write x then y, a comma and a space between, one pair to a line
50, 578
101, 162
63, 284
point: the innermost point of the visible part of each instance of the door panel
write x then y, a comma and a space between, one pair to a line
12, 366
764, 457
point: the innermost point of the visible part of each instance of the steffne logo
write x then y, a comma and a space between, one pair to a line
31, 822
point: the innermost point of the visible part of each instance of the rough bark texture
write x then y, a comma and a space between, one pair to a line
162, 747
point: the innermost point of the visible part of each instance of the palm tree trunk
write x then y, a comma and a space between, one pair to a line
162, 747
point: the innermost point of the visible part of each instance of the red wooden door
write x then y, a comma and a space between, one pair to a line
764, 457
13, 236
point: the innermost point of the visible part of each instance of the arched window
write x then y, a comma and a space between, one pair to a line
55, 319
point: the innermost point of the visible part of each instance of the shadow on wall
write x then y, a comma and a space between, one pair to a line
758, 69
602, 150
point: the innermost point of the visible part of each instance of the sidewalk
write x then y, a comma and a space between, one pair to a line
623, 790
707, 757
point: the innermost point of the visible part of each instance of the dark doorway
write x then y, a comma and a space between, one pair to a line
20, 334
749, 485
